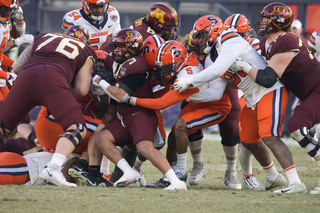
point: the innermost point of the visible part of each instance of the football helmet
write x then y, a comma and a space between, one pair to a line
206, 30
275, 17
126, 44
78, 32
150, 49
240, 23
8, 8
163, 19
95, 9
171, 58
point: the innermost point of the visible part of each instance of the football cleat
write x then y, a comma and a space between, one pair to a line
79, 173
197, 174
54, 177
251, 182
161, 183
182, 176
231, 180
97, 181
270, 184
293, 188
177, 186
315, 190
128, 178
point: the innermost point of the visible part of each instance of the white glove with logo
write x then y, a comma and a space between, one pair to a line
24, 40
11, 77
182, 84
240, 64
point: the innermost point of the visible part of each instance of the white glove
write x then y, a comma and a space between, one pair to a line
96, 90
132, 100
240, 64
96, 79
182, 84
3, 82
24, 40
19, 14
11, 77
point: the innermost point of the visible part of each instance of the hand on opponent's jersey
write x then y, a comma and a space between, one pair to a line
25, 39
11, 77
240, 64
182, 84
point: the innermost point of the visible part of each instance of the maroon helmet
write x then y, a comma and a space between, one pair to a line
163, 19
78, 32
127, 43
275, 17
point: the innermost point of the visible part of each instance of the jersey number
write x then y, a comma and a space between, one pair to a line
71, 52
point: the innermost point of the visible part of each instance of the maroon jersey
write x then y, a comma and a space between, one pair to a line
133, 66
61, 52
303, 73
142, 27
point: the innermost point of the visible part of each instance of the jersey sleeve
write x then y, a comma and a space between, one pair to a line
115, 17
69, 19
287, 43
170, 98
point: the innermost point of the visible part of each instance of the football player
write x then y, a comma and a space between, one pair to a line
291, 62
205, 108
48, 59
136, 126
161, 19
261, 103
314, 44
98, 17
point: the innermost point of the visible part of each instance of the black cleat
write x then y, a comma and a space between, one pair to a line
161, 183
79, 172
98, 181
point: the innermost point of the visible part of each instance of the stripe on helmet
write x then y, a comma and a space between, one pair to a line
160, 50
235, 20
157, 41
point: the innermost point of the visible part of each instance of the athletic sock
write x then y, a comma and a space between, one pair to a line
292, 174
271, 171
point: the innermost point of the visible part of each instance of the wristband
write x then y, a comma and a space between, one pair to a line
103, 84
14, 43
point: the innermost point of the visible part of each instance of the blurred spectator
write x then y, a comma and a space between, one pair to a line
296, 28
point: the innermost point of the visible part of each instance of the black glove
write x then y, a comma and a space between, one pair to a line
108, 76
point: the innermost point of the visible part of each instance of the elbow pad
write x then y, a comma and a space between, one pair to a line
267, 77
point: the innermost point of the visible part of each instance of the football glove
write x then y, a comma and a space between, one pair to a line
182, 84
108, 76
240, 64
23, 40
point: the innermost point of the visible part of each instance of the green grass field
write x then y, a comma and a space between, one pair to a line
210, 196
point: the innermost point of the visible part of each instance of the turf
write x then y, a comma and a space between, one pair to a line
210, 196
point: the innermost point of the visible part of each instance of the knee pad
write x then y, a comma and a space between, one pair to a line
197, 135
72, 133
230, 141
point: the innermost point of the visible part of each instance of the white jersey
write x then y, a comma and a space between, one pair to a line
211, 91
314, 42
100, 33
36, 162
230, 46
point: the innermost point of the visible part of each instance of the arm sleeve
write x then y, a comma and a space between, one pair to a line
168, 99
131, 83
3, 74
230, 51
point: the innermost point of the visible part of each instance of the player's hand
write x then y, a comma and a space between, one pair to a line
24, 40
11, 77
96, 90
182, 84
240, 64
132, 100
96, 79
19, 14
3, 82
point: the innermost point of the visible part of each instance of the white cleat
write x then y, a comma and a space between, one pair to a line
316, 190
142, 181
270, 184
251, 182
293, 188
55, 177
177, 186
128, 178
197, 174
231, 180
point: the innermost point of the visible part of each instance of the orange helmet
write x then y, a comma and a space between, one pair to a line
100, 6
8, 8
129, 39
163, 19
78, 32
207, 29
240, 23
150, 49
279, 17
101, 56
171, 58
